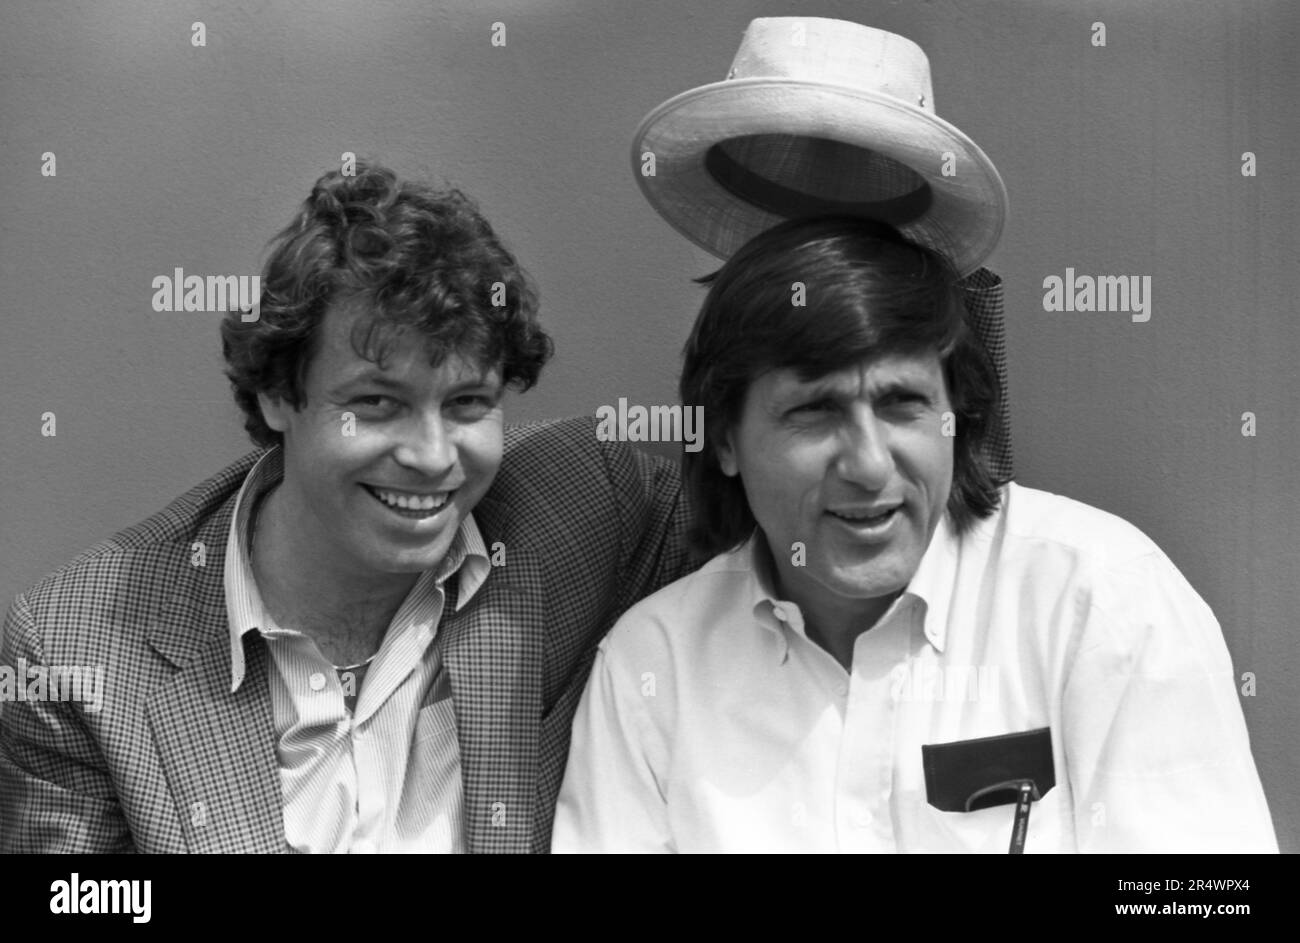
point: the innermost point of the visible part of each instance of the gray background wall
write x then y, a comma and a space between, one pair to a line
1124, 159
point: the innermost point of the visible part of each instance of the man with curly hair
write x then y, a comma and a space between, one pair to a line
371, 634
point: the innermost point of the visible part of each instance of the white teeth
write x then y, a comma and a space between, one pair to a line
864, 518
411, 502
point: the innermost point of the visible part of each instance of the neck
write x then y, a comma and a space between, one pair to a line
836, 627
832, 622
346, 611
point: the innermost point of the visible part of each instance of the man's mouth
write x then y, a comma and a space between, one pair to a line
412, 504
869, 518
865, 515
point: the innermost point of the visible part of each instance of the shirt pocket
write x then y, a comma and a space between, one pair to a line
988, 831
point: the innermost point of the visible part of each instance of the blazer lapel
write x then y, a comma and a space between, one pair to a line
492, 650
217, 748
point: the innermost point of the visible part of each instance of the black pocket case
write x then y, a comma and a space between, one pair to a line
977, 774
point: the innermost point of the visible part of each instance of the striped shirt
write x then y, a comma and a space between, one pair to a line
384, 776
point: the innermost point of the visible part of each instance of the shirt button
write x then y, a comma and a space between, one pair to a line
862, 818
317, 681
780, 613
841, 690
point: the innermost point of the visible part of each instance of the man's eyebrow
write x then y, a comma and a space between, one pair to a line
490, 378
826, 388
372, 377
922, 386
368, 377
487, 383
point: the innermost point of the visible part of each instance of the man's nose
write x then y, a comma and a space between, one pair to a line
427, 445
864, 454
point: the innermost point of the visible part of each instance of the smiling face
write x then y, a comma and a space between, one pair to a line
854, 465
381, 466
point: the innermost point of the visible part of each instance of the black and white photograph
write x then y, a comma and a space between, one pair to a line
561, 426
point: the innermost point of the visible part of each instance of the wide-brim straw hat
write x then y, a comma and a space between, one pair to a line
819, 117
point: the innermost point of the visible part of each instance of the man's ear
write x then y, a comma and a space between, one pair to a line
727, 455
275, 412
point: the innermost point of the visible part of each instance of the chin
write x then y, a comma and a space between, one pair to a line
404, 560
850, 585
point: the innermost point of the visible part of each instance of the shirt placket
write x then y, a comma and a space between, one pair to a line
380, 731
366, 760
318, 706
864, 784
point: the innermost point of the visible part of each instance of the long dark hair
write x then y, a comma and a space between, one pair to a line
867, 291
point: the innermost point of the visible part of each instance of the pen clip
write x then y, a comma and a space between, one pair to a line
1028, 792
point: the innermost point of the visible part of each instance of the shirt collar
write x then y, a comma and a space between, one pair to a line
932, 583
931, 587
468, 556
244, 610
770, 611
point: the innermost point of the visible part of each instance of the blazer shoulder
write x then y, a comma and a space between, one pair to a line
571, 434
144, 561
572, 448
542, 455
185, 514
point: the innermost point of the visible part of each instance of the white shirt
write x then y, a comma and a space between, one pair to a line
711, 723
385, 777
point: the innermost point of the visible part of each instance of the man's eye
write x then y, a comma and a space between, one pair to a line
373, 403
906, 399
814, 406
475, 404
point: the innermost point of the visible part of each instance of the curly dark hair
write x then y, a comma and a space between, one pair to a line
870, 292
415, 256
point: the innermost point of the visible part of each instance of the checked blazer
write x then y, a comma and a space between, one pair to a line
175, 762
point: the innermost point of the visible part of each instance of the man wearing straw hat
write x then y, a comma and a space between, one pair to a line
894, 648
